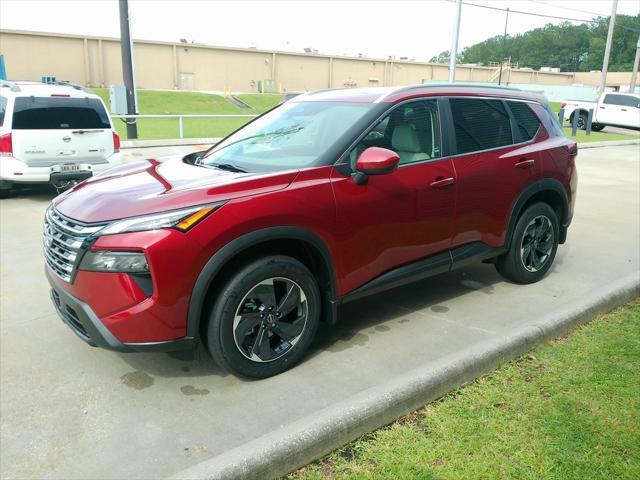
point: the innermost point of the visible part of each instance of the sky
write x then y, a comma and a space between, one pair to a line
417, 29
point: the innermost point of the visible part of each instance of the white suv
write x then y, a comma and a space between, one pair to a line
58, 133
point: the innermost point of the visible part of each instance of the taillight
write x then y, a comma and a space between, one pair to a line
116, 141
572, 148
6, 145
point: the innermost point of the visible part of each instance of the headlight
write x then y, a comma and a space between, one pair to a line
183, 220
112, 261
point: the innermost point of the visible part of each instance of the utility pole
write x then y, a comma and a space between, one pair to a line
504, 46
634, 74
454, 43
607, 48
126, 45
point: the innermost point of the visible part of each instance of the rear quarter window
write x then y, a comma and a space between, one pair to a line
527, 121
59, 113
480, 124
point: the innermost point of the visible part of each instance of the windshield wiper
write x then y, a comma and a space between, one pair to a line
86, 131
226, 166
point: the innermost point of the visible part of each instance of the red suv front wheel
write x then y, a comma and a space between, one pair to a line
264, 318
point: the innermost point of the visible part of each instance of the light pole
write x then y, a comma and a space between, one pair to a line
126, 45
504, 46
634, 74
454, 43
607, 48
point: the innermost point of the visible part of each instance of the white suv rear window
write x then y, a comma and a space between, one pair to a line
56, 113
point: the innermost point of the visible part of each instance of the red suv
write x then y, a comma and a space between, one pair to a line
330, 197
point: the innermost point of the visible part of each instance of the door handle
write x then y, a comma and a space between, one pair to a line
623, 109
524, 164
442, 182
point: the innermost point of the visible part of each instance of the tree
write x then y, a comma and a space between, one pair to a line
445, 57
566, 46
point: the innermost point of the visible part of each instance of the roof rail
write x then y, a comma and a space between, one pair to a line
10, 85
66, 83
450, 85
322, 90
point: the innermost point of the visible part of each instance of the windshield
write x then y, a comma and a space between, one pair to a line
294, 135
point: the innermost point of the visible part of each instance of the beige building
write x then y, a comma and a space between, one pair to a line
95, 61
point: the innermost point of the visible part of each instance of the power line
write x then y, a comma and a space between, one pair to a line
540, 14
567, 8
526, 13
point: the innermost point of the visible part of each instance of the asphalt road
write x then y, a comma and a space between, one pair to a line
71, 411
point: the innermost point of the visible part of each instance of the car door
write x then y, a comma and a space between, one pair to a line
630, 110
496, 159
610, 112
401, 217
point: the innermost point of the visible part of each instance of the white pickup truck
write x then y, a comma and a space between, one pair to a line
615, 109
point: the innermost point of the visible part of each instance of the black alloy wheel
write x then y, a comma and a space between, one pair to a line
537, 243
264, 317
270, 319
533, 245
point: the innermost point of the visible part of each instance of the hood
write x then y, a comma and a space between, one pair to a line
150, 187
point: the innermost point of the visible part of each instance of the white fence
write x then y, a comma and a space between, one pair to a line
180, 118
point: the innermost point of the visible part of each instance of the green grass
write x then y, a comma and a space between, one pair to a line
568, 410
603, 136
555, 106
167, 102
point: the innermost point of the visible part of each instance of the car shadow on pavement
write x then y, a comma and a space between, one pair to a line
32, 192
182, 364
431, 297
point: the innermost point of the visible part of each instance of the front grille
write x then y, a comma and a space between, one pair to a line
62, 238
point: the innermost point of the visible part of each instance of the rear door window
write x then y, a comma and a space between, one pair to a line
480, 124
622, 100
59, 113
527, 121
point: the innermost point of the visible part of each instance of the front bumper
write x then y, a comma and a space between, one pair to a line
78, 316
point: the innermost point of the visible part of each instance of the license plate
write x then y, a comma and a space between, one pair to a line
70, 167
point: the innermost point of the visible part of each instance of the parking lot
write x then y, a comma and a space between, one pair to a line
72, 411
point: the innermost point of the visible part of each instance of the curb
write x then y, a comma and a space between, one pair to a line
299, 443
615, 143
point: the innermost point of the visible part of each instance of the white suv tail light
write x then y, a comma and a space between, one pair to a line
6, 146
116, 141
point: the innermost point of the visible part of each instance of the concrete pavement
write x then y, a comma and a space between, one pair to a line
71, 411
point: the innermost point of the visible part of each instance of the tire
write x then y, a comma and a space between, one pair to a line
596, 127
268, 345
5, 188
582, 121
538, 229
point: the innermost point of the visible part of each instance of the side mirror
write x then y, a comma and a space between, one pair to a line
375, 161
